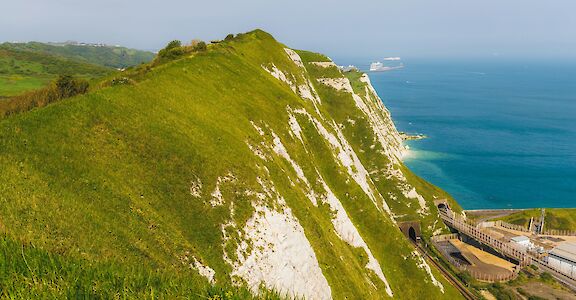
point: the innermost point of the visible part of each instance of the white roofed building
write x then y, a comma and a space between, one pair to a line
563, 258
522, 242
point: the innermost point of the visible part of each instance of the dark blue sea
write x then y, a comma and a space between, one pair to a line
501, 134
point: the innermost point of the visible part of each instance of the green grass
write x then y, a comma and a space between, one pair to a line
22, 71
102, 181
521, 218
11, 85
555, 218
107, 56
560, 219
28, 272
29, 66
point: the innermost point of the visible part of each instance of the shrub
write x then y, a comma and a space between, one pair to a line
172, 50
466, 277
67, 86
173, 44
546, 277
201, 46
229, 37
500, 292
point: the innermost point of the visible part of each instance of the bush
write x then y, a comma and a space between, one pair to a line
173, 44
466, 277
229, 37
67, 86
172, 50
500, 292
200, 46
546, 277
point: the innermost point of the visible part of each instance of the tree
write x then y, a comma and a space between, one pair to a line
229, 37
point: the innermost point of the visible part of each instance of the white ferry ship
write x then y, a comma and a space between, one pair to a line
380, 67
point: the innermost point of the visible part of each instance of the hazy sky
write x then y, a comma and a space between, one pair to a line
341, 29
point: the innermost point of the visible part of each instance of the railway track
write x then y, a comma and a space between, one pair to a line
453, 280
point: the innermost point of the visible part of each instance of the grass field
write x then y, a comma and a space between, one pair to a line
12, 85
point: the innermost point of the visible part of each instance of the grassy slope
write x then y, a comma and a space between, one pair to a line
108, 56
105, 178
22, 71
521, 218
556, 218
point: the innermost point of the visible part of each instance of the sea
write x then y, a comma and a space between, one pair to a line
500, 133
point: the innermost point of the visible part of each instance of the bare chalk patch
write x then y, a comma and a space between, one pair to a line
294, 57
324, 64
217, 198
423, 265
196, 188
412, 194
278, 74
195, 264
279, 256
347, 157
348, 233
340, 84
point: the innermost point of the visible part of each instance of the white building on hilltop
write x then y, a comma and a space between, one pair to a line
563, 258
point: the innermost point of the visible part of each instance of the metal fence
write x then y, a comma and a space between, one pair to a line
445, 237
511, 226
558, 232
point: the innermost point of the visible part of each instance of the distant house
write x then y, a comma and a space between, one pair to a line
563, 258
522, 241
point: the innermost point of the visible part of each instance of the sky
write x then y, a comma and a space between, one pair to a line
532, 29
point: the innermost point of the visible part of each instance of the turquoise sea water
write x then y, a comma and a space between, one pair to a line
501, 134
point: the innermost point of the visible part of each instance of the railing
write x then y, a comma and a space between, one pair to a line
445, 237
558, 232
493, 277
511, 226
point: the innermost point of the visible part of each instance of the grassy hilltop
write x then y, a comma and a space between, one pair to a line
232, 166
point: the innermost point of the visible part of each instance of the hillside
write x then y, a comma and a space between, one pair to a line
29, 66
554, 218
102, 55
249, 164
22, 71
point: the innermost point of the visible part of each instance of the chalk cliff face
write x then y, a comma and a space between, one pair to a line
252, 164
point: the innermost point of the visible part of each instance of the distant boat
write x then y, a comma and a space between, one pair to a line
380, 67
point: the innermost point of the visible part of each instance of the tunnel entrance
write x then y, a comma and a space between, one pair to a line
411, 230
412, 233
442, 204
